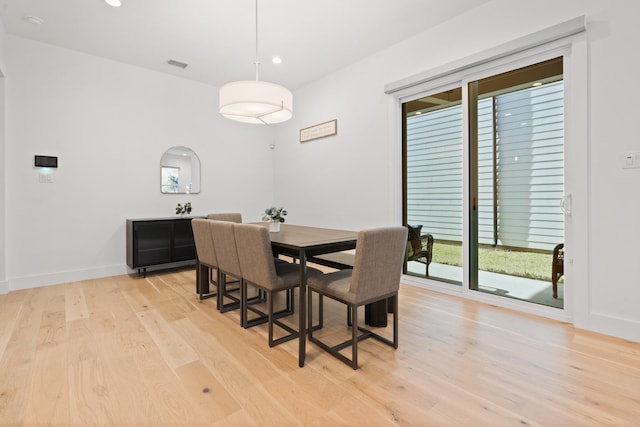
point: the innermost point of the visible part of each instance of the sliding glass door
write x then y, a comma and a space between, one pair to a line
514, 183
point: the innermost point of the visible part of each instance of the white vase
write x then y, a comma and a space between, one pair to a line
274, 226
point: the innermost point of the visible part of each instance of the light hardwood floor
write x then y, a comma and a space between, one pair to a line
129, 351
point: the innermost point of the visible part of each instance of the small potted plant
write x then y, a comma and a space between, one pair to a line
182, 210
274, 216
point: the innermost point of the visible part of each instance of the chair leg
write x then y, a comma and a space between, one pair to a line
273, 319
270, 314
310, 312
204, 277
354, 337
243, 303
221, 279
290, 301
395, 321
222, 293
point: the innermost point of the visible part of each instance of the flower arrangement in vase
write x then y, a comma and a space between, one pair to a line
275, 216
182, 210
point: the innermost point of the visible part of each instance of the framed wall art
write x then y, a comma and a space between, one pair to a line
321, 130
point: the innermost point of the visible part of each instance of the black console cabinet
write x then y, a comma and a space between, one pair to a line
155, 241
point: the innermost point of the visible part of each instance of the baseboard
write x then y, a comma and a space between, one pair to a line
4, 287
627, 329
35, 281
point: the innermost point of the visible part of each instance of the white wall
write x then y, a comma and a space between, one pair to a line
109, 125
343, 180
4, 284
352, 180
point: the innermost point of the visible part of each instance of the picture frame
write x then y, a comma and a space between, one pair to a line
321, 130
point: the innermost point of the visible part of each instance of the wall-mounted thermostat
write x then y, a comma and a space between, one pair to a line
45, 161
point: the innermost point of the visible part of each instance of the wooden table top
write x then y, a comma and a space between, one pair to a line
314, 240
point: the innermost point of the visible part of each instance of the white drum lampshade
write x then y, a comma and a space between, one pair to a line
255, 101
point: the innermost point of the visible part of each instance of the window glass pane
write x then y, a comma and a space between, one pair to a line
518, 166
433, 185
530, 159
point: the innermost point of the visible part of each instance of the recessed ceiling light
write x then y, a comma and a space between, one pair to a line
114, 3
276, 60
536, 84
33, 19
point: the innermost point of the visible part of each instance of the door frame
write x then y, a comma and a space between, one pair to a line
573, 49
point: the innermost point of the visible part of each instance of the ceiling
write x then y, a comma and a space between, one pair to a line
216, 38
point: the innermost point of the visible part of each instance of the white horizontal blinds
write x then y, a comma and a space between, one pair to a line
486, 160
434, 172
530, 165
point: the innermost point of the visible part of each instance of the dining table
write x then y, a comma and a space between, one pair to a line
303, 242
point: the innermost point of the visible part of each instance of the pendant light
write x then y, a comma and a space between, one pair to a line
255, 101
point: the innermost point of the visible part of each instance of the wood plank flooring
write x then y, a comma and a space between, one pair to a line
133, 351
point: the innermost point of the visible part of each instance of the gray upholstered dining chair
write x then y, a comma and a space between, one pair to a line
226, 291
260, 270
377, 267
224, 243
206, 256
226, 216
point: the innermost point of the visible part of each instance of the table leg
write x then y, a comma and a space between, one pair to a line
302, 307
202, 279
375, 313
221, 279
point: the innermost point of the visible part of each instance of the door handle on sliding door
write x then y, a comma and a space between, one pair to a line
565, 204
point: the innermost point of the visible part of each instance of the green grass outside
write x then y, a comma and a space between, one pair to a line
522, 264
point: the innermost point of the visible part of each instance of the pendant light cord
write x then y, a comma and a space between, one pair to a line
257, 61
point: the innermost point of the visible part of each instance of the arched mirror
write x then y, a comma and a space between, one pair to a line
180, 171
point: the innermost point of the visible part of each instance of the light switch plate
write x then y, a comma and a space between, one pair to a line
631, 160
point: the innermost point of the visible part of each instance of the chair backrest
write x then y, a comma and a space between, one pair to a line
224, 243
255, 254
377, 266
204, 242
231, 217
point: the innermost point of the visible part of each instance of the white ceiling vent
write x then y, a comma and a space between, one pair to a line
177, 63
